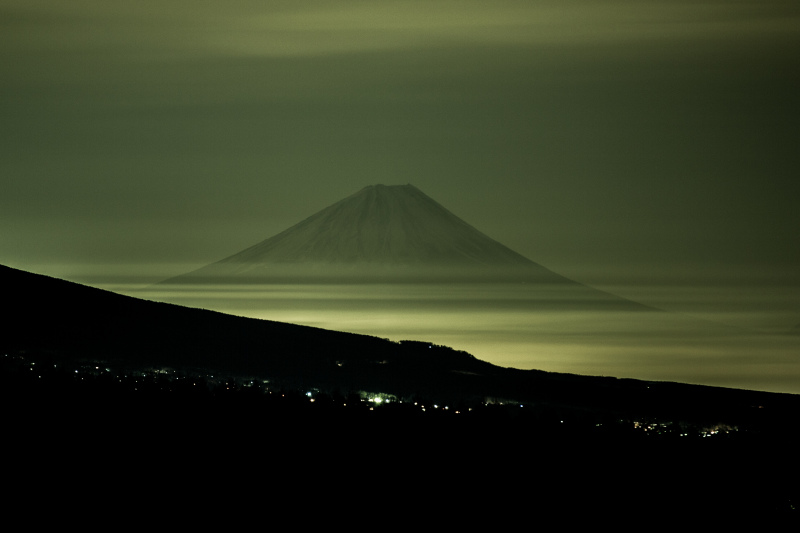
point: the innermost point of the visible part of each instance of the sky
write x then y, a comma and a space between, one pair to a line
633, 144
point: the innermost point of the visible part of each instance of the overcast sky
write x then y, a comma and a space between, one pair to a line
606, 140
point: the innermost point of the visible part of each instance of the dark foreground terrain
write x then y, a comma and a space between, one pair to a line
235, 440
106, 388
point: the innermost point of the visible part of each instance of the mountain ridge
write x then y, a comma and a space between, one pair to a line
384, 224
382, 232
70, 321
157, 399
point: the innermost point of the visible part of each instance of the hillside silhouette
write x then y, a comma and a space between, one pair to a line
76, 322
89, 377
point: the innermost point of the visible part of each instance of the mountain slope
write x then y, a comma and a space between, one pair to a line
380, 224
69, 322
572, 422
394, 232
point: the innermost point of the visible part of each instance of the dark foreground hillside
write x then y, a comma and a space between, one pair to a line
67, 321
97, 384
223, 439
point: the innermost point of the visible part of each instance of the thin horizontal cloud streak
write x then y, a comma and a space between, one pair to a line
181, 28
352, 27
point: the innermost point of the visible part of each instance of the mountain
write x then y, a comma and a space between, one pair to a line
72, 322
383, 232
572, 431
